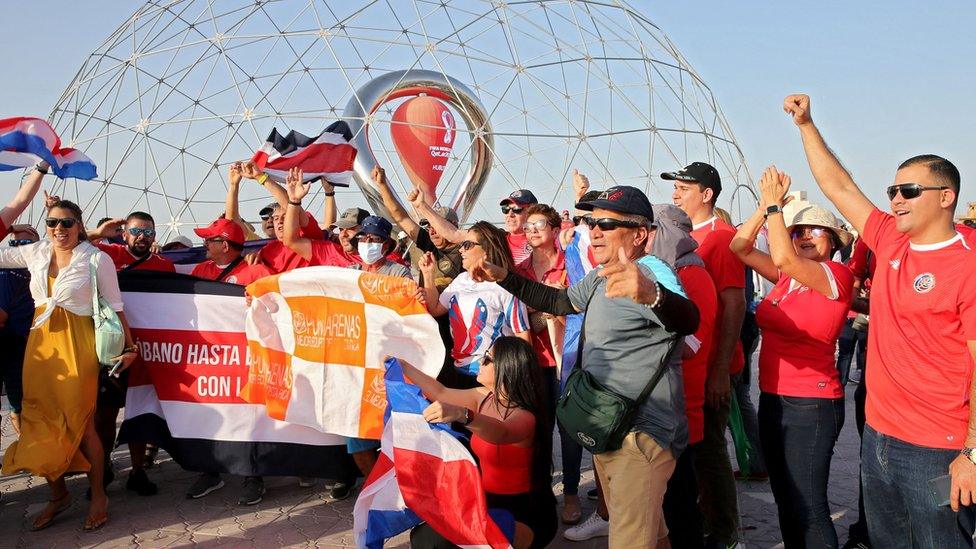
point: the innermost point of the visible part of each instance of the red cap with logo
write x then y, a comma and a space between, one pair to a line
222, 228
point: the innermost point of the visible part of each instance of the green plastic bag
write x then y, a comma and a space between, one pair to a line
745, 454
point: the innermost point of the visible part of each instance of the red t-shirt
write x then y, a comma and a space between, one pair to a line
799, 335
122, 258
242, 274
862, 261
280, 258
555, 276
701, 291
519, 247
923, 311
311, 229
713, 237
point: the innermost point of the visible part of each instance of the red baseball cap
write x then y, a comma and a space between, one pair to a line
222, 228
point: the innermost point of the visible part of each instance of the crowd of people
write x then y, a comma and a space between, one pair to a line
658, 305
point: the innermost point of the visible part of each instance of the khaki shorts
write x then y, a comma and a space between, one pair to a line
634, 480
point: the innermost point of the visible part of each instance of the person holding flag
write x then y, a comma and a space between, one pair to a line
16, 206
511, 434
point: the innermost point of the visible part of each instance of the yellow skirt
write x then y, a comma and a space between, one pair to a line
60, 388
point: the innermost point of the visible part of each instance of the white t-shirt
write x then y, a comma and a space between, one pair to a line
479, 313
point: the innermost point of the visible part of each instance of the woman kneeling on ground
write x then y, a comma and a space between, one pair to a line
511, 437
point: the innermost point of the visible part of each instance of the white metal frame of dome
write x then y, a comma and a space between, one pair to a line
172, 53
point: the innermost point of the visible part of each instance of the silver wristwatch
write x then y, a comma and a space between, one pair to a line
970, 454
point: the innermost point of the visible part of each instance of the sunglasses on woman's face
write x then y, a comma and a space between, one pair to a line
609, 223
535, 226
66, 222
814, 232
468, 244
911, 190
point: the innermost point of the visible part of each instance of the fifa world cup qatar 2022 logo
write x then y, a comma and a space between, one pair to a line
423, 130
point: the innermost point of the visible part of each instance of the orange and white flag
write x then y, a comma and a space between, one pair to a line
318, 337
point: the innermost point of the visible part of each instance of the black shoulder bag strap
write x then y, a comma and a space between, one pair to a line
136, 263
229, 268
655, 379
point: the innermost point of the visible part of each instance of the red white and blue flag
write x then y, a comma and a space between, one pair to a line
424, 473
26, 141
330, 155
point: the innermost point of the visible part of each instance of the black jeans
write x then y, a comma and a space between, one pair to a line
686, 525
851, 345
798, 436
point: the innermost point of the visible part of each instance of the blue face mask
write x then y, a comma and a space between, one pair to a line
370, 252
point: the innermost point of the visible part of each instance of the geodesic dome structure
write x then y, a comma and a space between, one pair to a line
185, 87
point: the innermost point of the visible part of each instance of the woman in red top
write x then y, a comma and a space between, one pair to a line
801, 405
546, 264
511, 435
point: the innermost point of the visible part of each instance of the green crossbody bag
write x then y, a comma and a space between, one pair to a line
109, 334
597, 417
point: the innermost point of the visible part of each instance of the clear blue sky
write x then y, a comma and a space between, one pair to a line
889, 79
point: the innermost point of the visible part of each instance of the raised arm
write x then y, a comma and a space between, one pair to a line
399, 215
443, 227
330, 214
280, 195
773, 186
743, 245
293, 213
110, 227
835, 182
26, 192
431, 294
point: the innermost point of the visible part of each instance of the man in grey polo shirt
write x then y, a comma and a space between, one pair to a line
633, 325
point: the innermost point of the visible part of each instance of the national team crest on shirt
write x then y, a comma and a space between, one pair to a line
924, 283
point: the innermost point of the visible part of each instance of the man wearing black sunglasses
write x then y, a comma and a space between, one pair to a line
633, 327
139, 233
921, 346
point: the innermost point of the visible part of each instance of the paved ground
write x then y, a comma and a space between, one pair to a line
302, 517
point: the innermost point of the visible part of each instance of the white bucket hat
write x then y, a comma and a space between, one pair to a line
811, 214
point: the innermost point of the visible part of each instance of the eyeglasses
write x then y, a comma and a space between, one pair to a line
136, 231
265, 217
814, 232
486, 360
66, 222
21, 242
372, 238
578, 218
911, 190
468, 244
535, 226
513, 209
609, 223
213, 240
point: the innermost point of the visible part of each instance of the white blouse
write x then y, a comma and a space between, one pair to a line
72, 287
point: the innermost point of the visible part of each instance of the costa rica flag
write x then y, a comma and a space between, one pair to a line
330, 154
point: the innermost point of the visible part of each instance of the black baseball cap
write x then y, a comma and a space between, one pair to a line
375, 225
697, 172
522, 197
621, 199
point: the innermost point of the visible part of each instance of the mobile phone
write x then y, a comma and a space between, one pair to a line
114, 372
939, 487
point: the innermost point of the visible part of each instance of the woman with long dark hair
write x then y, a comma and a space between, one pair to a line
801, 404
511, 435
478, 312
61, 368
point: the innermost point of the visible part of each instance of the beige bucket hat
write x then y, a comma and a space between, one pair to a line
811, 214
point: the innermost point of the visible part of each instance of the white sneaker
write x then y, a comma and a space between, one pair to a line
592, 527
